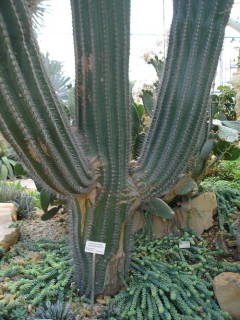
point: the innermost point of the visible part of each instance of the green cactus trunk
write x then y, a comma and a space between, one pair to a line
104, 222
89, 165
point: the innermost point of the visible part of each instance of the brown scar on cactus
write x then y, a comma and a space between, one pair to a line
44, 148
32, 152
84, 202
116, 265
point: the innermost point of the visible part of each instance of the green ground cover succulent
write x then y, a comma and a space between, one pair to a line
34, 273
167, 282
228, 201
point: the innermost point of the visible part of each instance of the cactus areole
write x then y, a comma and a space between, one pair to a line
89, 164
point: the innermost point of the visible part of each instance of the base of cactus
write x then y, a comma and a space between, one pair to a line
112, 267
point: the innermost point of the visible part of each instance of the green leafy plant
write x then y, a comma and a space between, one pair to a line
46, 200
228, 200
58, 79
54, 311
223, 103
37, 8
7, 163
2, 252
13, 192
90, 165
228, 170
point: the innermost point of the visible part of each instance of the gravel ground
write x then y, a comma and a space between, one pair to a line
53, 229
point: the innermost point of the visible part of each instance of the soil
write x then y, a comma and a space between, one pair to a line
223, 241
54, 229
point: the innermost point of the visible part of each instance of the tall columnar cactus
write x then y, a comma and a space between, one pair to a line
90, 164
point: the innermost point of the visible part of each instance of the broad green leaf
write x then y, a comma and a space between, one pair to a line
7, 163
18, 170
45, 199
187, 187
147, 98
158, 208
232, 124
50, 213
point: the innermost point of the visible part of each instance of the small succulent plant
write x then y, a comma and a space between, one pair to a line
54, 311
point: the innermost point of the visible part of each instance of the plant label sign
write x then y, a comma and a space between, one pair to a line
184, 244
95, 247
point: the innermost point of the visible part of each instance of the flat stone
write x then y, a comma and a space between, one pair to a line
227, 290
8, 213
8, 236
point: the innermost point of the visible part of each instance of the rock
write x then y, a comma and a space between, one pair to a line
196, 214
8, 236
8, 213
137, 221
28, 184
227, 290
199, 212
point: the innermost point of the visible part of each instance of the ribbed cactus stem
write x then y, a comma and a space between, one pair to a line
90, 224
195, 43
101, 34
32, 111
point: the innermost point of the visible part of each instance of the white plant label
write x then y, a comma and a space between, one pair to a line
184, 244
95, 247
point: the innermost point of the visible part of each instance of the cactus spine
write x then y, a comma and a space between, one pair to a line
90, 164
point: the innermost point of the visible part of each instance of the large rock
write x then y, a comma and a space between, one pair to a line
8, 236
28, 184
227, 290
196, 214
8, 215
